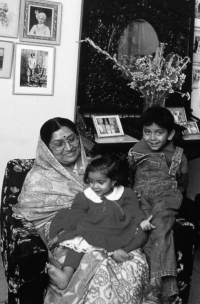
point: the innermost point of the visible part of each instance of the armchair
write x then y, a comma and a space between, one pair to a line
25, 255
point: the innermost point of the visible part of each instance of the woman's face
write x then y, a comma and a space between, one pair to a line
65, 146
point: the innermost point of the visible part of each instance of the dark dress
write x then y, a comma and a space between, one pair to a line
109, 224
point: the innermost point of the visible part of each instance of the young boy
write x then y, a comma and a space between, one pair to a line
160, 171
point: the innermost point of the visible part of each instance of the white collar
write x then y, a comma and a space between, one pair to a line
114, 195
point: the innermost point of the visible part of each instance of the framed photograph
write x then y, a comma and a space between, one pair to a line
196, 45
34, 69
9, 18
197, 13
191, 127
108, 126
179, 114
196, 76
40, 21
6, 58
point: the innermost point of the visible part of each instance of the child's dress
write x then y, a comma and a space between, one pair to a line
110, 223
155, 180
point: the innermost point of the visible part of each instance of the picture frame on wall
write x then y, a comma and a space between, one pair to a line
9, 18
34, 69
179, 114
196, 44
197, 13
6, 58
40, 22
196, 75
108, 125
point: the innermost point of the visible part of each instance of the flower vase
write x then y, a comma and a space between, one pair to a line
151, 102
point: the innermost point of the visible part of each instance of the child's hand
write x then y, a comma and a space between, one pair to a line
120, 256
52, 242
146, 225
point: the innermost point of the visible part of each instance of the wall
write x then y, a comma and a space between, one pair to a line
21, 116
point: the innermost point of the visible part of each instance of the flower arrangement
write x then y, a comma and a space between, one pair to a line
155, 77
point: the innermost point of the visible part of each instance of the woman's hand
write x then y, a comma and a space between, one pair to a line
52, 243
146, 225
120, 256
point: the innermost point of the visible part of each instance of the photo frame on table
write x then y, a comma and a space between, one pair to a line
191, 127
108, 126
40, 21
6, 58
196, 45
179, 114
196, 75
9, 18
34, 69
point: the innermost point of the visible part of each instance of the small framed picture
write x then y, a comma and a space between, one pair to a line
179, 114
9, 18
196, 45
108, 126
6, 58
40, 21
196, 76
197, 13
34, 69
191, 127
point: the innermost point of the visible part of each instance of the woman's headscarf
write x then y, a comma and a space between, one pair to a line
48, 187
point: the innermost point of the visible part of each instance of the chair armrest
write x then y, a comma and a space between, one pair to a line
23, 251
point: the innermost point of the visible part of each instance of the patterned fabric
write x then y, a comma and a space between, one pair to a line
23, 252
22, 248
101, 280
48, 187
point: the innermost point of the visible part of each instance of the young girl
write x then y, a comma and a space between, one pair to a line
106, 216
160, 171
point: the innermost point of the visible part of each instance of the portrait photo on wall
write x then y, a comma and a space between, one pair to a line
40, 21
34, 70
6, 58
9, 18
108, 126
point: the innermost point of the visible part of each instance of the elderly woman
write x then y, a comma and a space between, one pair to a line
52, 183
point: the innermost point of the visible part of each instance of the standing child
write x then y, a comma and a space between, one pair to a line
160, 176
106, 216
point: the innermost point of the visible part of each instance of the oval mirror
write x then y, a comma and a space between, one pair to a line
139, 38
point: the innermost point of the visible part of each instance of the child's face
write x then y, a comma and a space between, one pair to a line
99, 183
41, 20
156, 137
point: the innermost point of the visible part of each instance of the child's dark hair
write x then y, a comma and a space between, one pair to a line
107, 165
158, 115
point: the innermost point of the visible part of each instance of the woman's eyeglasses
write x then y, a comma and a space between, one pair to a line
59, 145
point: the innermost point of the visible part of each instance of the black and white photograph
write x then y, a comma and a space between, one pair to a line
34, 69
6, 58
179, 114
40, 21
108, 126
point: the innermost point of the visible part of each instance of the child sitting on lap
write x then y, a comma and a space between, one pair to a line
106, 216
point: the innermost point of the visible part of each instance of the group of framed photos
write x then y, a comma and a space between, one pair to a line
38, 25
191, 128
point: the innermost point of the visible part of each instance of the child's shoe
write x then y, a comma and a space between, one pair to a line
152, 295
